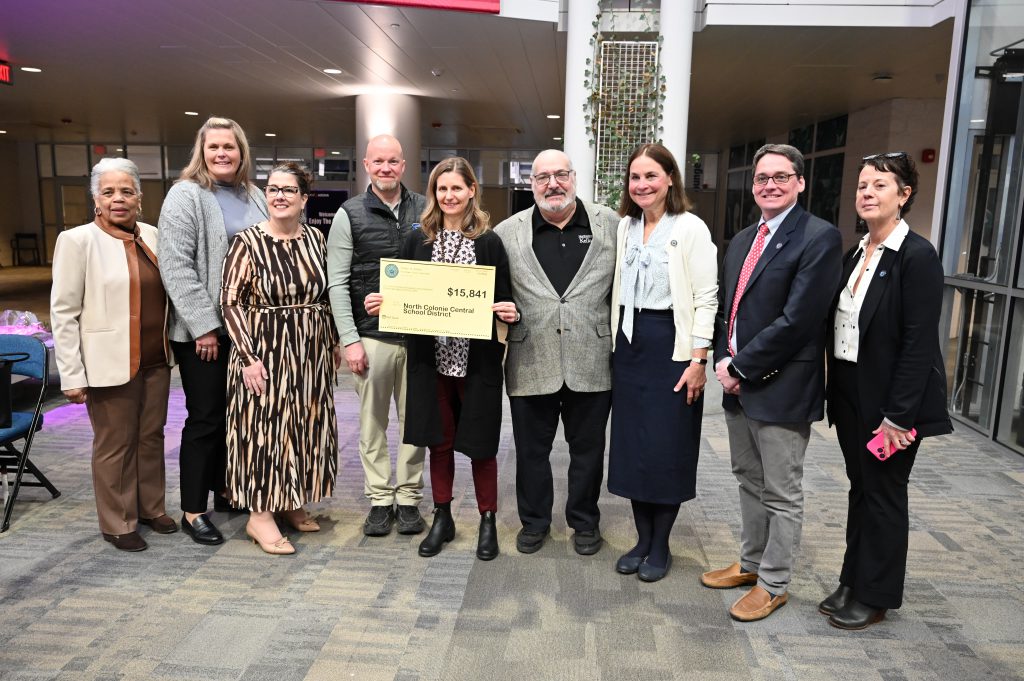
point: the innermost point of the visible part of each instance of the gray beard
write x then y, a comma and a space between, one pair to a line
564, 202
385, 187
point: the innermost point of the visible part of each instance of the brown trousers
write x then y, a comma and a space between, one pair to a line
128, 449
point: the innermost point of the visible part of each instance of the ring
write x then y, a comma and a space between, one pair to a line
904, 442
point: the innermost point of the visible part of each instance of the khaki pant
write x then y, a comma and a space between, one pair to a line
128, 449
385, 378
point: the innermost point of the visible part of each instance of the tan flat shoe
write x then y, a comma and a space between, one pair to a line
281, 547
299, 520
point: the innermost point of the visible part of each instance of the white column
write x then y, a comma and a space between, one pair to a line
388, 114
675, 58
576, 142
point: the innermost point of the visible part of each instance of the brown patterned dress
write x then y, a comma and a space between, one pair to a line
282, 445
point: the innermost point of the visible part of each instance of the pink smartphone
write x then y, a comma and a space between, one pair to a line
876, 445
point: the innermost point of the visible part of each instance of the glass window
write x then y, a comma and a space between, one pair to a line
805, 196
175, 160
1011, 413
301, 155
740, 209
97, 152
72, 160
803, 139
148, 159
736, 156
492, 167
263, 161
830, 134
44, 153
152, 200
752, 148
826, 187
973, 350
48, 200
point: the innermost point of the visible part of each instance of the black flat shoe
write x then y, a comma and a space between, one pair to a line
837, 601
628, 565
528, 541
649, 573
855, 615
202, 530
487, 543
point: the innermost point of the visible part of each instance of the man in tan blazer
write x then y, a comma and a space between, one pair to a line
562, 256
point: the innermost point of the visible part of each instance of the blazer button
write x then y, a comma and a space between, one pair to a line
558, 331
562, 301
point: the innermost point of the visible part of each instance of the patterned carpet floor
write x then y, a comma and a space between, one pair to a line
352, 607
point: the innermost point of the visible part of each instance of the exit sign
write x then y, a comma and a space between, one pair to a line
5, 73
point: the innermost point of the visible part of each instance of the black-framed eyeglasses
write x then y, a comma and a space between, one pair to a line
891, 154
561, 177
290, 192
777, 178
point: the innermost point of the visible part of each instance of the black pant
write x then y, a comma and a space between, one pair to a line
878, 523
534, 423
203, 454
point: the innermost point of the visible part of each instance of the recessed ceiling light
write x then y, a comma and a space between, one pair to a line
332, 72
557, 139
191, 113
31, 69
455, 89
977, 120
396, 26
437, 72
270, 134
335, 153
119, 149
553, 116
3, 132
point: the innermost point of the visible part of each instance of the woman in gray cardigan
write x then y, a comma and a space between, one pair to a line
212, 201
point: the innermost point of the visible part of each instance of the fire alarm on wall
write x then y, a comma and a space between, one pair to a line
928, 156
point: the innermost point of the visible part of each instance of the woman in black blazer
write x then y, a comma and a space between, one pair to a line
453, 398
886, 378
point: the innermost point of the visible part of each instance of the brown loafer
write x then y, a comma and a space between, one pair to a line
163, 524
727, 578
756, 604
126, 542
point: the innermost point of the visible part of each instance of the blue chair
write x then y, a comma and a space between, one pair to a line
24, 424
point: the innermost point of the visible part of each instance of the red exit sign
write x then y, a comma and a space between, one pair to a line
5, 73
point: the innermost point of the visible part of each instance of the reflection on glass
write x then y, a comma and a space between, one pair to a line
973, 351
175, 160
802, 139
45, 155
737, 155
736, 187
752, 148
831, 134
148, 160
981, 249
75, 204
152, 200
1011, 413
72, 160
826, 187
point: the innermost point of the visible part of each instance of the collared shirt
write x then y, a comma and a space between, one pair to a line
561, 251
773, 227
847, 322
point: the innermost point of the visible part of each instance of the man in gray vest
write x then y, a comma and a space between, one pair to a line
562, 256
369, 227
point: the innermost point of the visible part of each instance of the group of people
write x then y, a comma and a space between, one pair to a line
604, 313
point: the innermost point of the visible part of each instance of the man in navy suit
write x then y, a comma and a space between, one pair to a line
776, 287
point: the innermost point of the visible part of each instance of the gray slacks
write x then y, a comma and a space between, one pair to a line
768, 462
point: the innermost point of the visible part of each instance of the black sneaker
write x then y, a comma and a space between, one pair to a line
528, 541
587, 542
378, 522
409, 520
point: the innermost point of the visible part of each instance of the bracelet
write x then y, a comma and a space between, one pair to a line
699, 360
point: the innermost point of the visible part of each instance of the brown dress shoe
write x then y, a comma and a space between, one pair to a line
126, 542
727, 578
163, 524
756, 604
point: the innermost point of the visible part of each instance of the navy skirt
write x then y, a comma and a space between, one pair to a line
655, 434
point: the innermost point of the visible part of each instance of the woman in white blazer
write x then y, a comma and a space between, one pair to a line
109, 314
664, 298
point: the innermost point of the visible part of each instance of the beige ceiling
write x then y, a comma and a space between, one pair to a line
127, 70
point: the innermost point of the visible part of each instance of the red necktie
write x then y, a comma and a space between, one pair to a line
745, 272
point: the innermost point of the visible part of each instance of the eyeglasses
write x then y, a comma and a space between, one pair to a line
290, 192
777, 178
392, 162
561, 177
892, 154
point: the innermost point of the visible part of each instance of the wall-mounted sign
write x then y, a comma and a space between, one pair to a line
322, 205
488, 6
5, 73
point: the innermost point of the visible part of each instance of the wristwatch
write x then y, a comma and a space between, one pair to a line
698, 360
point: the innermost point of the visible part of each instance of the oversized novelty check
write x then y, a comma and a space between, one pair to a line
436, 299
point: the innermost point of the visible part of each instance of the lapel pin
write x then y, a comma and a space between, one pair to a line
881, 274
778, 246
674, 243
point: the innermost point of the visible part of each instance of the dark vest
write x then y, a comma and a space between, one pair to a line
375, 235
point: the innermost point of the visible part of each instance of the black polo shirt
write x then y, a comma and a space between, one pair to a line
561, 251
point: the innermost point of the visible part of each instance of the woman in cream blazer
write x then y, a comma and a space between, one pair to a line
664, 298
109, 315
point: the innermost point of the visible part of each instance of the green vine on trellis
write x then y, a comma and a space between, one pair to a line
620, 103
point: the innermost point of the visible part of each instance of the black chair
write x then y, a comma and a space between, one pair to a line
26, 243
24, 424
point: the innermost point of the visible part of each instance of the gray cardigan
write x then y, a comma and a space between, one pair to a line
193, 244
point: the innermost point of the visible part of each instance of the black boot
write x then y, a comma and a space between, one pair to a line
487, 543
442, 530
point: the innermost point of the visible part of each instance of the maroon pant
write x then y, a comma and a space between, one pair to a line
450, 392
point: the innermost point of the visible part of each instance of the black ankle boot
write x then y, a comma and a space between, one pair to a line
442, 530
487, 543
